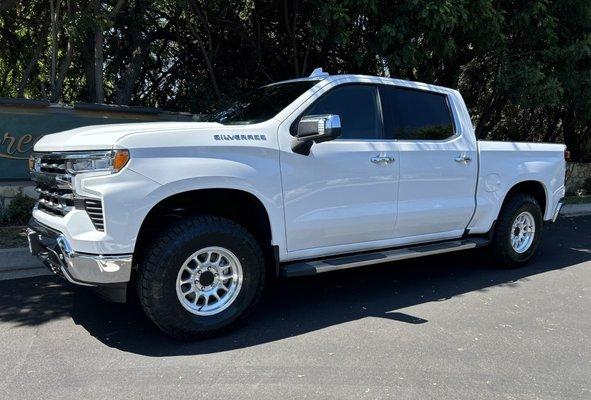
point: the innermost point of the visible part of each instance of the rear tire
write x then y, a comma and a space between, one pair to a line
222, 265
517, 232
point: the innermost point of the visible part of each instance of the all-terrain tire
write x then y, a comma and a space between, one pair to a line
159, 268
503, 251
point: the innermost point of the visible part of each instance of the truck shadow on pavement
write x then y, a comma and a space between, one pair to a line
297, 306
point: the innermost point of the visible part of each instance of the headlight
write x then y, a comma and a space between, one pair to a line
109, 161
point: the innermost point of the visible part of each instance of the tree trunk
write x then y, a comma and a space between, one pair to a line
56, 91
54, 15
87, 55
30, 66
132, 71
208, 62
491, 116
98, 65
570, 136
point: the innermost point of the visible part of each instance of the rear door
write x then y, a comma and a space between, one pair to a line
438, 162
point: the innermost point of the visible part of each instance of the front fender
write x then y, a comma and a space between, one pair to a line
249, 169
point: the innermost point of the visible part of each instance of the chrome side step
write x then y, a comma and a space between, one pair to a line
311, 267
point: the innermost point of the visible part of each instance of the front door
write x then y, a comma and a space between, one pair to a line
345, 191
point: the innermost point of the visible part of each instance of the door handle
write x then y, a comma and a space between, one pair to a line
463, 158
382, 160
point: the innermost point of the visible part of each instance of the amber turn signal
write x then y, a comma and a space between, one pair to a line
120, 159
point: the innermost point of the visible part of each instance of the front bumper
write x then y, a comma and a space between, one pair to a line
54, 250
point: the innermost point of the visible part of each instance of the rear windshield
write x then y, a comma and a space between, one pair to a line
260, 104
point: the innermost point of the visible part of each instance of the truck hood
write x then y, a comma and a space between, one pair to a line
103, 137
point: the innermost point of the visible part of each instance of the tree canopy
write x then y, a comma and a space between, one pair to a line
523, 66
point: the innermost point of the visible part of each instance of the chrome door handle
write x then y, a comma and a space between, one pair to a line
382, 160
462, 158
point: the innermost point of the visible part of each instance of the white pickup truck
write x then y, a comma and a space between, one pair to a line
298, 177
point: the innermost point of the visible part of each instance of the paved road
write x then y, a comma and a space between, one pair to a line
445, 327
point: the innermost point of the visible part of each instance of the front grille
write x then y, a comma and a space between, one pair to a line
94, 208
54, 185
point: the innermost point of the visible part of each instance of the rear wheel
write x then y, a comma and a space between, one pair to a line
201, 276
518, 231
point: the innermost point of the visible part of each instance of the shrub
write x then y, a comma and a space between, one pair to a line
587, 186
18, 211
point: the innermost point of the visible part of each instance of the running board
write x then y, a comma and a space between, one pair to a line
311, 267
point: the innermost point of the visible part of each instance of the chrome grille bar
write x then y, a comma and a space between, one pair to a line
54, 185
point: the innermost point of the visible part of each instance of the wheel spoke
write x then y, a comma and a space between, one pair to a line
229, 276
223, 288
185, 281
523, 232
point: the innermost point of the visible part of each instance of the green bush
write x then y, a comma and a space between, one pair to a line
18, 211
587, 186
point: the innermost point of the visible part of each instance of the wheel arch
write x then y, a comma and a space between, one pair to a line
534, 188
238, 205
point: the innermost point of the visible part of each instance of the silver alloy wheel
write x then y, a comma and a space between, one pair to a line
523, 232
209, 281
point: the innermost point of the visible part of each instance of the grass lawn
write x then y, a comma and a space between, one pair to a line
13, 236
577, 199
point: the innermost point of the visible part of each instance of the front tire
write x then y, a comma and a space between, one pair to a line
201, 276
517, 232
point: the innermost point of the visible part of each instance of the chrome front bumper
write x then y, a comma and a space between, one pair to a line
53, 249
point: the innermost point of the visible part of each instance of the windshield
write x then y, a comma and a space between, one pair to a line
260, 104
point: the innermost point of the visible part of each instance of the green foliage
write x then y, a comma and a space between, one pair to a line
524, 68
18, 211
587, 186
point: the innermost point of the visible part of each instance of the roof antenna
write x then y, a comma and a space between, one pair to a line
318, 73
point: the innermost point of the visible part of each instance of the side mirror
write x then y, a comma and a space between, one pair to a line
315, 129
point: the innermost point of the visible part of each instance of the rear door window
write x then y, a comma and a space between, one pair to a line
415, 114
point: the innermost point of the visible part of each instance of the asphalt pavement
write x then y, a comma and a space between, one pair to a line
445, 327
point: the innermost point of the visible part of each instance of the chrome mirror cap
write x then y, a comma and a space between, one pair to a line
315, 129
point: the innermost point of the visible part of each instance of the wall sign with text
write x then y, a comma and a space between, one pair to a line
22, 126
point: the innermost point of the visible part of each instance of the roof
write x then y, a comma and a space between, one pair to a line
326, 78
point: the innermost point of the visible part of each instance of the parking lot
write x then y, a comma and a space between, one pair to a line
443, 327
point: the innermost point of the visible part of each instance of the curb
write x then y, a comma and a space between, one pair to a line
18, 263
18, 259
575, 210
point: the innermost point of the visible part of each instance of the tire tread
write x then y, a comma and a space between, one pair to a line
150, 272
501, 248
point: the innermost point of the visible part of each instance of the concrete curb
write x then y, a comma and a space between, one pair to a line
575, 210
18, 263
17, 259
